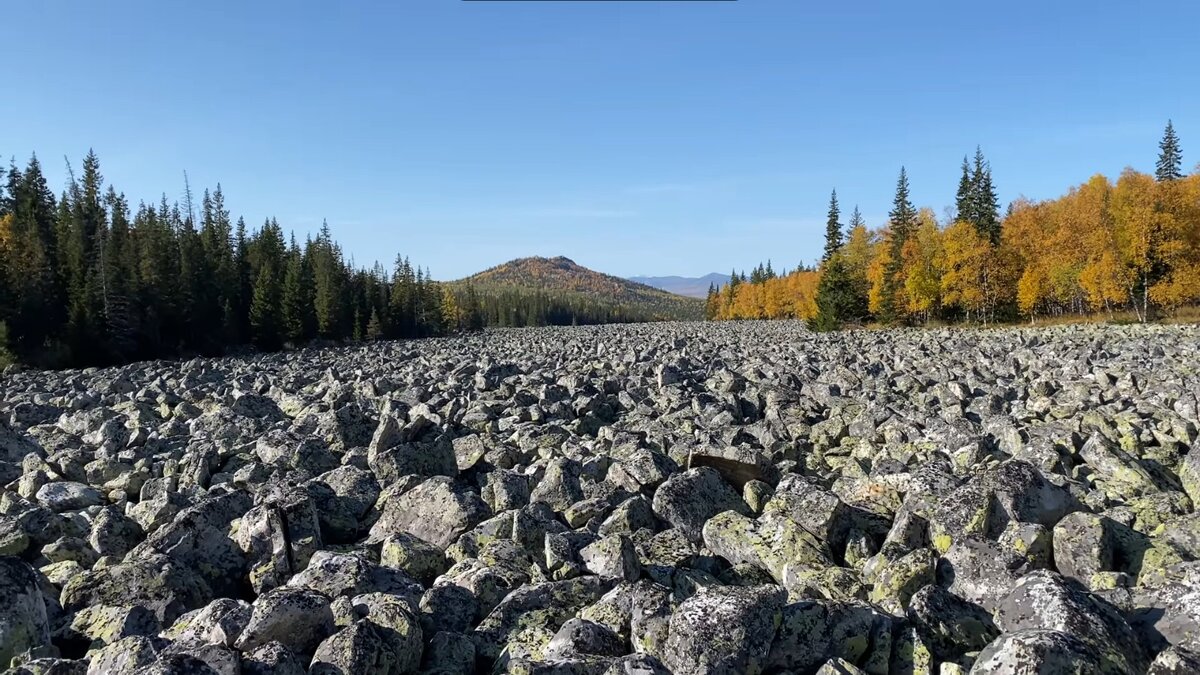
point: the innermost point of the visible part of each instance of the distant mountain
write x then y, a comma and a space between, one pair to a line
693, 287
563, 281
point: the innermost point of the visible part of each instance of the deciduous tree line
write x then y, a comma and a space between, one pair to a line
1127, 246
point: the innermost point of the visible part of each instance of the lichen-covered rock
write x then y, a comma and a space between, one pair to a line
523, 624
436, 511
220, 658
338, 574
167, 589
23, 622
451, 608
951, 626
1189, 474
1040, 650
560, 487
272, 658
278, 537
105, 624
578, 637
724, 630
219, 623
177, 664
1046, 600
49, 666
898, 580
68, 496
414, 556
397, 625
1123, 477
297, 618
812, 632
775, 543
458, 505
114, 533
979, 571
358, 648
1175, 661
613, 556
449, 654
126, 655
689, 499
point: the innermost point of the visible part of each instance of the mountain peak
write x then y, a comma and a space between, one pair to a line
562, 275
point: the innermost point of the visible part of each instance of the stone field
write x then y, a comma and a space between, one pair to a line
656, 498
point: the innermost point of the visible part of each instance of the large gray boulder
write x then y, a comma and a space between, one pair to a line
1045, 600
23, 622
1043, 651
297, 618
437, 511
689, 499
724, 630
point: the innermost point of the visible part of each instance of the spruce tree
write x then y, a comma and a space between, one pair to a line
264, 309
985, 208
903, 222
297, 298
1170, 157
833, 229
839, 300
964, 210
374, 326
856, 219
903, 216
711, 302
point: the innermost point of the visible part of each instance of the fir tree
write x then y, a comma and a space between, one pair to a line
856, 219
985, 208
712, 302
1170, 157
903, 222
833, 229
839, 297
962, 202
903, 216
297, 311
264, 309
374, 326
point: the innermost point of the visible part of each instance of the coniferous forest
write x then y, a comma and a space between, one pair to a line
1131, 247
88, 279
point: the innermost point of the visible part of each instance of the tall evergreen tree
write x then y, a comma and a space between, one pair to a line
985, 208
902, 220
856, 219
119, 259
964, 209
298, 315
264, 309
1170, 157
903, 216
833, 228
839, 296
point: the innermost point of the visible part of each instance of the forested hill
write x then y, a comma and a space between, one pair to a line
566, 287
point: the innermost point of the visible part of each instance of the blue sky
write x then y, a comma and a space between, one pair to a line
635, 137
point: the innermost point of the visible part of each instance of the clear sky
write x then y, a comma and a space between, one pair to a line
634, 137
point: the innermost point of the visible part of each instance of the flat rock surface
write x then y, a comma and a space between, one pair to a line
658, 498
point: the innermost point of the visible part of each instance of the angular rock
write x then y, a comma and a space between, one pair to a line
436, 511
723, 630
299, 619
